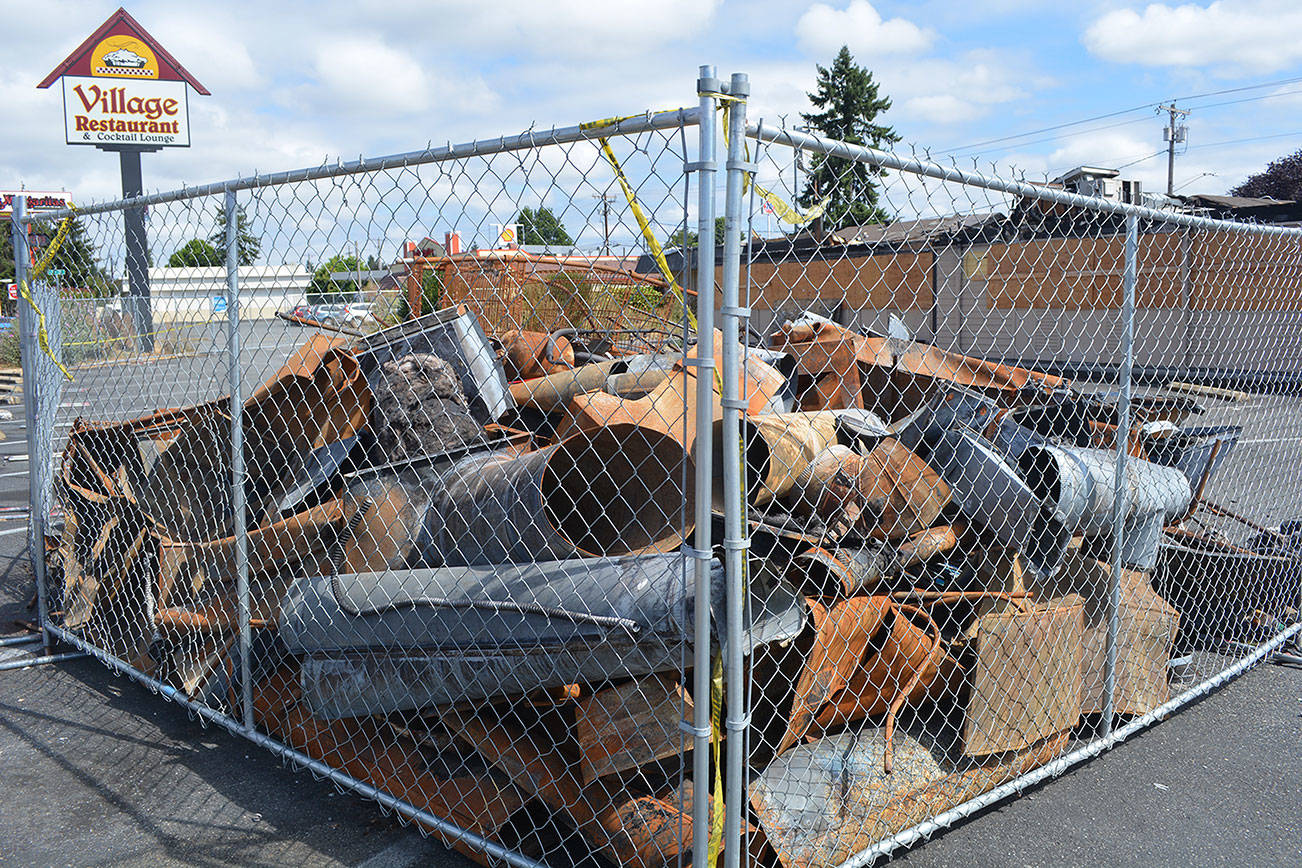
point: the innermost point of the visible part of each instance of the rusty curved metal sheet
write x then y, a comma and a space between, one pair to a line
319, 397
893, 376
527, 355
842, 682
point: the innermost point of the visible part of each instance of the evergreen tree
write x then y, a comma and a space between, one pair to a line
542, 227
848, 101
76, 258
1282, 179
248, 244
196, 253
431, 289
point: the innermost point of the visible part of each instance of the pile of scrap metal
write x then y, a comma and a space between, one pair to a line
470, 566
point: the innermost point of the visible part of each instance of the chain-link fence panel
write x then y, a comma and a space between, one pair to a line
672, 488
1027, 490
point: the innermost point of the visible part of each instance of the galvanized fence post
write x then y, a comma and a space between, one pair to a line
29, 348
1119, 498
707, 85
735, 541
237, 451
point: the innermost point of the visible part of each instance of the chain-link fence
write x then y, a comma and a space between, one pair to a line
666, 489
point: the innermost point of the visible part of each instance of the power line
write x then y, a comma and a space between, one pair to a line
1126, 111
1244, 141
1145, 119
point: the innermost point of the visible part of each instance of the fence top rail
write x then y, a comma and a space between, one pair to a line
885, 159
532, 138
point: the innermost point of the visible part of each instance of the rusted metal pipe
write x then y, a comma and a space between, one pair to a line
614, 491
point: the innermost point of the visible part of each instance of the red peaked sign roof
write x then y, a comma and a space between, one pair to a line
120, 23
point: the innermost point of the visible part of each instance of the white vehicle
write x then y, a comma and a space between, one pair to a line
124, 57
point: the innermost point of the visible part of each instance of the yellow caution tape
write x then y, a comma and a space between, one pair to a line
716, 748
24, 289
652, 243
784, 211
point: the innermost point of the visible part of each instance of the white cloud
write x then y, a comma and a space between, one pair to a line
556, 28
364, 75
1234, 36
214, 55
822, 30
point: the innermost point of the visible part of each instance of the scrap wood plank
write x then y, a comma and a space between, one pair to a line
1026, 683
630, 725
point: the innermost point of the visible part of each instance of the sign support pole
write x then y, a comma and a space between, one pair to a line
137, 245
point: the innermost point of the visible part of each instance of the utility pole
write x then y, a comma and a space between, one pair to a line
606, 200
1173, 133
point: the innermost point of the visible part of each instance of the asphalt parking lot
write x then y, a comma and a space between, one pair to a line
100, 771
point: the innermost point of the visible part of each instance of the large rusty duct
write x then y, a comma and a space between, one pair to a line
617, 490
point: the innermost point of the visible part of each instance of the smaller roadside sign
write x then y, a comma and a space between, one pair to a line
37, 200
219, 304
13, 292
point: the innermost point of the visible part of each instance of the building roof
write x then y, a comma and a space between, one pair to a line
903, 231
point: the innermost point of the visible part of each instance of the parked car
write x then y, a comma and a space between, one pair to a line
359, 312
301, 311
330, 314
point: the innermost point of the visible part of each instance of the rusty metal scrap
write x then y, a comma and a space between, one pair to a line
867, 655
527, 355
893, 376
486, 541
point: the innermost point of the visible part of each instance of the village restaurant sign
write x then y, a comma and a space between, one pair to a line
120, 87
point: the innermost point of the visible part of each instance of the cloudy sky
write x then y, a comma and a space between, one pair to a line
999, 81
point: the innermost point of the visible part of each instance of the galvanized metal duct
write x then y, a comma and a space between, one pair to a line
1079, 485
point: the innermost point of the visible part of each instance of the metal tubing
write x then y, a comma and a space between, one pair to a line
238, 517
1119, 480
28, 324
734, 504
706, 86
873, 156
11, 641
1015, 787
527, 141
41, 661
316, 767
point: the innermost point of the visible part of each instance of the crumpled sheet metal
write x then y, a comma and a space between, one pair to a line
821, 803
893, 376
528, 354
647, 831
889, 493
991, 493
190, 571
318, 397
615, 491
472, 795
867, 654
